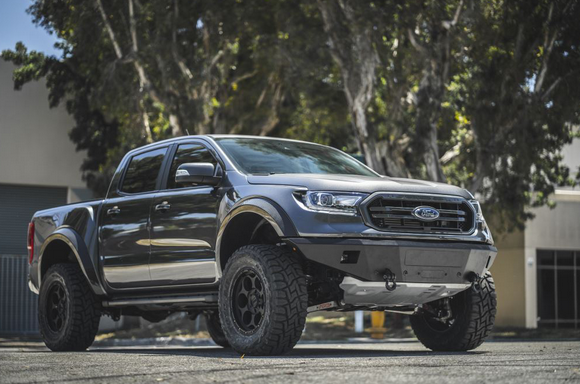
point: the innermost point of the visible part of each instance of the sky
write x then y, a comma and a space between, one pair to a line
16, 25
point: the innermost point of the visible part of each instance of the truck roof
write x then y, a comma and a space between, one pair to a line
211, 137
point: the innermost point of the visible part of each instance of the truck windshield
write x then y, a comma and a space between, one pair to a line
271, 156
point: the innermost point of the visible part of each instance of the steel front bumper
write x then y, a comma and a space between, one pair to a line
424, 270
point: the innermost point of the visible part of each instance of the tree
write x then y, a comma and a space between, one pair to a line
522, 99
478, 93
145, 71
481, 93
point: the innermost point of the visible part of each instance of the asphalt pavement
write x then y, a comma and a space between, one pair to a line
353, 362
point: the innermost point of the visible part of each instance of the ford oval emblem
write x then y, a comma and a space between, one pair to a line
426, 213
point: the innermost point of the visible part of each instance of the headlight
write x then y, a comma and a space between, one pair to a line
478, 212
481, 221
332, 202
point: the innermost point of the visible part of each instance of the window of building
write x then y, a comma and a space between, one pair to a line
558, 288
141, 175
188, 153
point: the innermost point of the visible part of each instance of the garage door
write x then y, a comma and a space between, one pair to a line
18, 306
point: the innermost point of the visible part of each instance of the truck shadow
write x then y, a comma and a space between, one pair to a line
297, 353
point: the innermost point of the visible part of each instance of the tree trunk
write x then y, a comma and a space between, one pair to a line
436, 55
352, 49
429, 98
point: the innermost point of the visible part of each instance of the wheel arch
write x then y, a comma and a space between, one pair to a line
66, 246
251, 221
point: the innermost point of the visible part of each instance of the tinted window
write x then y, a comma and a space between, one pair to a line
267, 156
143, 170
188, 153
546, 258
565, 258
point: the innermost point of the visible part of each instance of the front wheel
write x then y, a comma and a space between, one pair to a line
462, 322
68, 313
263, 300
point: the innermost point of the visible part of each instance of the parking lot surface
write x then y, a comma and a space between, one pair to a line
354, 362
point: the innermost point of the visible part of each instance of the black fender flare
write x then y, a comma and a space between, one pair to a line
269, 210
79, 249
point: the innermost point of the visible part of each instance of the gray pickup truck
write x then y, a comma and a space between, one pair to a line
255, 233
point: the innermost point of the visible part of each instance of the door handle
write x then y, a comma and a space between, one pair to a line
113, 211
163, 206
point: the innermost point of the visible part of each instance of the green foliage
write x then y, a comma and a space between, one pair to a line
496, 83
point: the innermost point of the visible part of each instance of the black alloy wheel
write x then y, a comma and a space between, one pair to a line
248, 301
56, 315
263, 300
68, 310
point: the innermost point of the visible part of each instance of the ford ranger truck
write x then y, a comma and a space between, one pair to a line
254, 233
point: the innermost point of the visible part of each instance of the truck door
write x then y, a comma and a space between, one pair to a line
125, 221
184, 225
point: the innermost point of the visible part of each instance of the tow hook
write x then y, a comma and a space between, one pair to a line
474, 278
390, 280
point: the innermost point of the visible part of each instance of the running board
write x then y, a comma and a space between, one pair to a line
162, 300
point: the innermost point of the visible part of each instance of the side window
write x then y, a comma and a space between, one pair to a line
141, 175
188, 153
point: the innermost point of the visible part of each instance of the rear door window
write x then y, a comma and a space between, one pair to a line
142, 172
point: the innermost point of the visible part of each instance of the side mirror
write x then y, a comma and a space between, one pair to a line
197, 173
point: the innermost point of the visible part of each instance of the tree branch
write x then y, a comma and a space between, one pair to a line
415, 43
176, 56
450, 24
109, 29
547, 51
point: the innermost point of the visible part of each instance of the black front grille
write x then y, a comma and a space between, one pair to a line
392, 212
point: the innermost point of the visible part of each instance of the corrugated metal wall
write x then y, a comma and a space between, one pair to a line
18, 305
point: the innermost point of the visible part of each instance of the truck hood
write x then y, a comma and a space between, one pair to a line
364, 184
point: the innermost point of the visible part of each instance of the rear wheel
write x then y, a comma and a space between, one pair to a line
462, 322
214, 328
263, 300
68, 312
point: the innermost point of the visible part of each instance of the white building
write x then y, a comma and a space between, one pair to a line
39, 168
537, 271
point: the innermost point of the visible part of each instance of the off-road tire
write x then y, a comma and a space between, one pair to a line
214, 328
285, 300
81, 310
473, 322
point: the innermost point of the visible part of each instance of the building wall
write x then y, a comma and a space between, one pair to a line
515, 268
34, 145
551, 229
39, 168
509, 276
